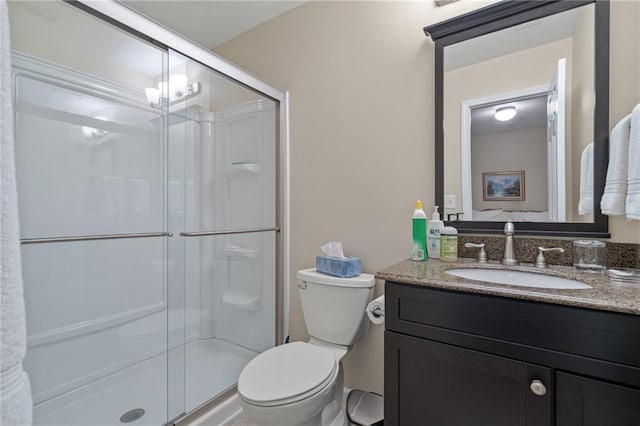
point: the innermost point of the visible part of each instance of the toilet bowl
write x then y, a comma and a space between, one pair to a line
301, 383
289, 384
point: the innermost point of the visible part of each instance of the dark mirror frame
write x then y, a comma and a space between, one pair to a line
497, 17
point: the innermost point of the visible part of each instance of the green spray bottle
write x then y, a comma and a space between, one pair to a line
419, 221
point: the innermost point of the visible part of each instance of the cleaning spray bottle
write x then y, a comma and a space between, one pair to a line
434, 227
419, 220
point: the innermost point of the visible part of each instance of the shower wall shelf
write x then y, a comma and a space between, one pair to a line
241, 300
243, 169
242, 252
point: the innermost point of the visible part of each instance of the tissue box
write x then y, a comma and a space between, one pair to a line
337, 267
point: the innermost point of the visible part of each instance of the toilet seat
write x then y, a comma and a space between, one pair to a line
286, 374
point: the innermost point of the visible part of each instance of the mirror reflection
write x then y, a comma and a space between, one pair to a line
518, 122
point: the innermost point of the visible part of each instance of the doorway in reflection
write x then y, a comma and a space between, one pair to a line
520, 132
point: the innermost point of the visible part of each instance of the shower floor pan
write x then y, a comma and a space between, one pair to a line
211, 367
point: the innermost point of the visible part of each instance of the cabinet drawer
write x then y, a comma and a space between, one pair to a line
483, 321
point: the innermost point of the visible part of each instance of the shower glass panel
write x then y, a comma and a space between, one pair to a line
91, 172
148, 221
222, 183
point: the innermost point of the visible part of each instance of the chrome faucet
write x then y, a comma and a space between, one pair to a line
541, 262
509, 257
482, 254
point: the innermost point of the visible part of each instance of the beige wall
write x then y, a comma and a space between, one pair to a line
512, 151
361, 81
624, 91
520, 70
360, 76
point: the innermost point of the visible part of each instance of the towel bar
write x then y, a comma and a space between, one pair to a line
239, 231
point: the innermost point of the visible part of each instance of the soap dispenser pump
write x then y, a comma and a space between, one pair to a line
434, 229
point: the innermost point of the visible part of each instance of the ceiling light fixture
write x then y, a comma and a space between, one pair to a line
91, 133
505, 113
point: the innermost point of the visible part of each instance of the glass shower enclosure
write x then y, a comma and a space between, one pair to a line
147, 196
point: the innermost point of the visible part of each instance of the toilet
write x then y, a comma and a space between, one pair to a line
301, 383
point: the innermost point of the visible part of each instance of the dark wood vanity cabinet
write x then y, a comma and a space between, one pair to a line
462, 359
591, 402
444, 385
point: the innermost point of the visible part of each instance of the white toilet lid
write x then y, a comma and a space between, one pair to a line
286, 372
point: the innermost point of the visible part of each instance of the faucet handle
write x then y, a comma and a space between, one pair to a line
482, 255
541, 262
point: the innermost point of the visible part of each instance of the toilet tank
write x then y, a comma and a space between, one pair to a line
334, 308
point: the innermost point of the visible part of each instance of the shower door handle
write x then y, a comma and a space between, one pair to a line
231, 232
94, 237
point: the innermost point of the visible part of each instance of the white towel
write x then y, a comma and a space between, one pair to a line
632, 205
585, 204
16, 396
15, 404
615, 190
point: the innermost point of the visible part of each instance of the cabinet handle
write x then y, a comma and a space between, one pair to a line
538, 388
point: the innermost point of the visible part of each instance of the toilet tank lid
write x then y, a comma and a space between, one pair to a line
311, 275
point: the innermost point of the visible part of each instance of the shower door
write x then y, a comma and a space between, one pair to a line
147, 194
221, 191
91, 172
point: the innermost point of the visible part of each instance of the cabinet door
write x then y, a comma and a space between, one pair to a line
429, 383
588, 402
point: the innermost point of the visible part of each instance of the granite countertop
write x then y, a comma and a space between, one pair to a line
602, 296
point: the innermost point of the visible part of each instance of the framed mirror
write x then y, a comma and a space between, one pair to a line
522, 117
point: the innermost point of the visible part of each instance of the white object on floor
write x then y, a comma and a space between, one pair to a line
615, 190
15, 390
632, 204
585, 203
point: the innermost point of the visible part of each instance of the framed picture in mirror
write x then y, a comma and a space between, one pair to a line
503, 186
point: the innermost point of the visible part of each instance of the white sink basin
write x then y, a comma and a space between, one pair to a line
519, 278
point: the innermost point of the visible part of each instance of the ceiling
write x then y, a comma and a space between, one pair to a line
210, 23
531, 113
